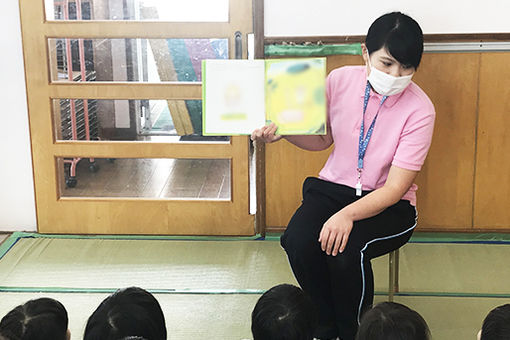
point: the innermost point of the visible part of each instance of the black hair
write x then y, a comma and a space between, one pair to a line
284, 312
392, 321
38, 319
128, 312
400, 35
496, 325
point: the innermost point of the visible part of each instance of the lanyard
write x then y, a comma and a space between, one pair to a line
363, 142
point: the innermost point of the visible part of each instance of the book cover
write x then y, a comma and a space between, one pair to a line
296, 96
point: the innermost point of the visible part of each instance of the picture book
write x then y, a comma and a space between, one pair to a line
239, 96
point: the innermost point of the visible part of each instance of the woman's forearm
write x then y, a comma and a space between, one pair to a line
397, 184
372, 204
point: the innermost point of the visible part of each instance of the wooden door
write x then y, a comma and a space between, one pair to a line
125, 214
492, 180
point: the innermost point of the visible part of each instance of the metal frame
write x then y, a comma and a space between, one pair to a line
467, 47
393, 271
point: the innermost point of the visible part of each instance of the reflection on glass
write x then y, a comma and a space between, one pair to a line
141, 60
130, 120
150, 178
163, 10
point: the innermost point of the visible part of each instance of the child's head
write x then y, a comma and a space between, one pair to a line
129, 312
496, 325
389, 320
38, 319
284, 312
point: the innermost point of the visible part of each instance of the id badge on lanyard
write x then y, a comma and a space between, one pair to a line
364, 140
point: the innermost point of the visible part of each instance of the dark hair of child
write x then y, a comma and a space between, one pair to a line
129, 312
38, 319
390, 321
284, 312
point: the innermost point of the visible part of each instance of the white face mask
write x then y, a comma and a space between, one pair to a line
386, 84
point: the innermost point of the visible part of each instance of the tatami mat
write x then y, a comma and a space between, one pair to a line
462, 268
232, 274
92, 263
153, 264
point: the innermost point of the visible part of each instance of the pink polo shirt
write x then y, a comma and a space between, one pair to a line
401, 136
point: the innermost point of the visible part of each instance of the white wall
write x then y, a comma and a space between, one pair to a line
17, 206
337, 17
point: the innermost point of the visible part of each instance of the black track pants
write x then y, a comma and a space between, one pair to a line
341, 286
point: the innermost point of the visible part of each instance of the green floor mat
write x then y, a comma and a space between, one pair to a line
455, 268
84, 263
231, 274
236, 266
223, 266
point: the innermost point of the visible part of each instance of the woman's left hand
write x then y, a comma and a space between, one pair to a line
335, 233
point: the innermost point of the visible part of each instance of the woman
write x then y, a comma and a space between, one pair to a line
363, 204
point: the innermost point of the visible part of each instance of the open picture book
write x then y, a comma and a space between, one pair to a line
240, 96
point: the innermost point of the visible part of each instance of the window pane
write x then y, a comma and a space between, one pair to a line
149, 177
163, 10
130, 120
140, 60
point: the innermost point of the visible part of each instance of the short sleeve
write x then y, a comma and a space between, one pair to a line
329, 90
415, 140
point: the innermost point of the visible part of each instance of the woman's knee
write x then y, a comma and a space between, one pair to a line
296, 241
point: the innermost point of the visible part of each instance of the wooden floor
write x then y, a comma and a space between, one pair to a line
153, 178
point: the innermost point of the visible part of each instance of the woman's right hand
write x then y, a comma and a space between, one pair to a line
266, 134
